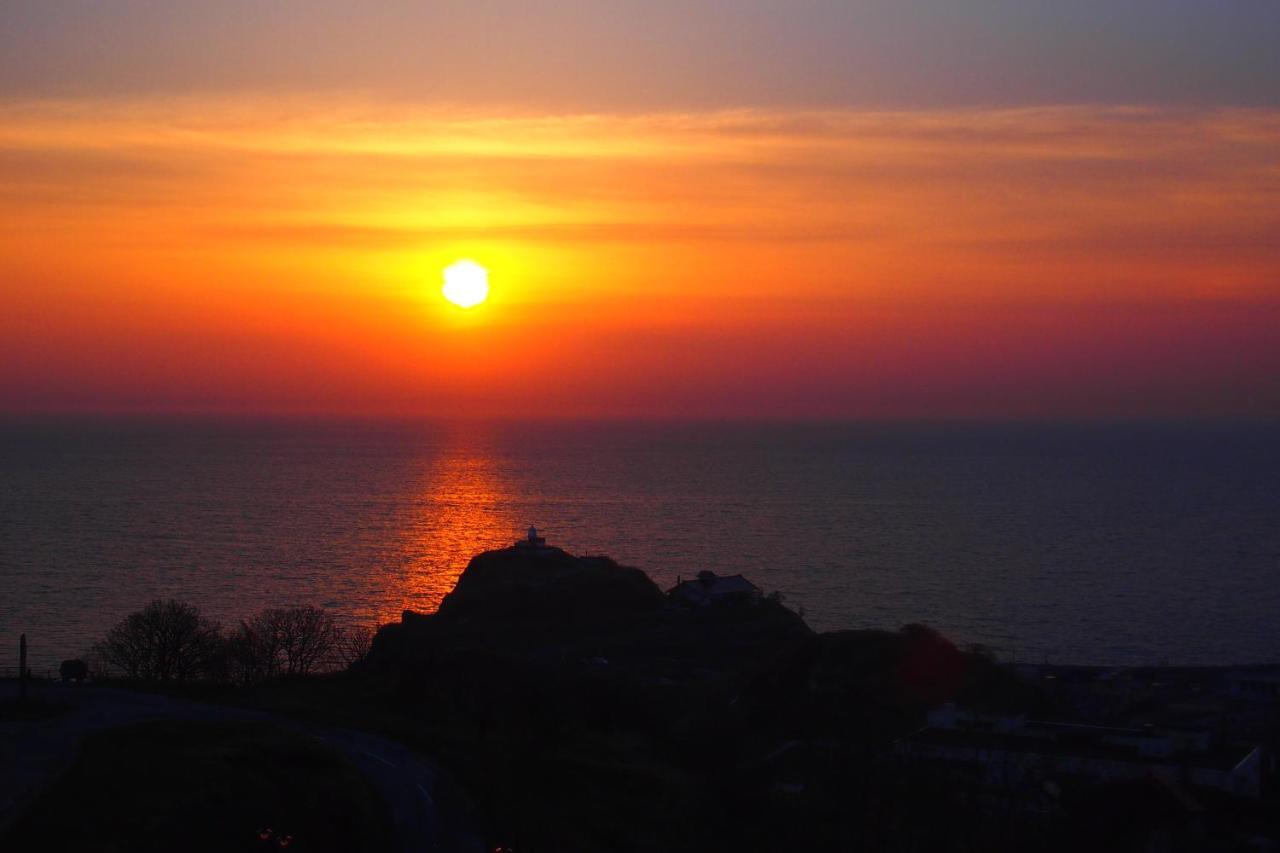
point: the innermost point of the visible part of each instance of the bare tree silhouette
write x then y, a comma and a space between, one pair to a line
165, 641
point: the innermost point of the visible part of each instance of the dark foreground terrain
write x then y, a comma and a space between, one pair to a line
206, 786
580, 708
236, 750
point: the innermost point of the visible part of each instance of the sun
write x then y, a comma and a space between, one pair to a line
466, 284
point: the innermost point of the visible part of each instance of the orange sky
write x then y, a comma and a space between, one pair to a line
242, 253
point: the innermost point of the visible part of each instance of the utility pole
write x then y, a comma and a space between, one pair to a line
22, 669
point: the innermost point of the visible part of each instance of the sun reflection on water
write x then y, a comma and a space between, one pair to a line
465, 508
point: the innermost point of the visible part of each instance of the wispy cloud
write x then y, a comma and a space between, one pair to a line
750, 225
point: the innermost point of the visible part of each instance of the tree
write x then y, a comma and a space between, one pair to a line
165, 641
354, 645
307, 636
253, 651
283, 641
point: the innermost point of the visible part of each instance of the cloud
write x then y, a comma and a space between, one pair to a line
797, 247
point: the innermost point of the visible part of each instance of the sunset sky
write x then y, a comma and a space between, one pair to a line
717, 209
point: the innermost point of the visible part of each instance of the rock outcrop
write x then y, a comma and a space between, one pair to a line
546, 608
549, 585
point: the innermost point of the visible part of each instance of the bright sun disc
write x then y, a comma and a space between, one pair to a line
466, 284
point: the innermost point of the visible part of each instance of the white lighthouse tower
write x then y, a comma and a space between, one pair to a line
533, 540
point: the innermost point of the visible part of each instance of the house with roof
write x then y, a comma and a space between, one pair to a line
710, 588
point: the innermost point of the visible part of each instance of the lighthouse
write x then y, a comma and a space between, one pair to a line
533, 540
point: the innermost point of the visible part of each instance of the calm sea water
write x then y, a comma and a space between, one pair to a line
1087, 544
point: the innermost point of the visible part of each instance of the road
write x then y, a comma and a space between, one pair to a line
33, 753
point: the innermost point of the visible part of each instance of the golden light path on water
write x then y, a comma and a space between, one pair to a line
463, 507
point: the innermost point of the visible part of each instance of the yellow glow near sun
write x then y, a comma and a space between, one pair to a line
466, 284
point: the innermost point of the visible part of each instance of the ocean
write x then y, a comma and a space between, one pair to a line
1115, 544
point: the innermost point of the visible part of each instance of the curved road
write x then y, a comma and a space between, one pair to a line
33, 753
